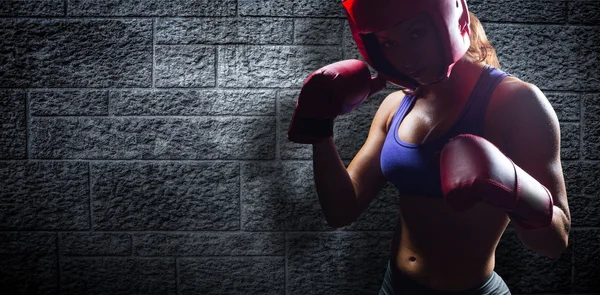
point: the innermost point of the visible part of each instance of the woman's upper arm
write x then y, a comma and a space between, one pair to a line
365, 168
532, 137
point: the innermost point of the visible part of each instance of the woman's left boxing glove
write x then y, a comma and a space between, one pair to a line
473, 169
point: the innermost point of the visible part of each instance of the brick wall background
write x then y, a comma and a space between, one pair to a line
143, 148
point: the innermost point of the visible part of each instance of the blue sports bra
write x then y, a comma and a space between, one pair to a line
414, 168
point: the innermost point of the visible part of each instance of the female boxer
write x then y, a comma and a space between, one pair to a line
469, 147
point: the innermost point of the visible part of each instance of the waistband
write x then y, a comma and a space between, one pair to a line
403, 284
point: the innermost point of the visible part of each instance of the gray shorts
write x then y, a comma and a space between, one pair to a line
397, 283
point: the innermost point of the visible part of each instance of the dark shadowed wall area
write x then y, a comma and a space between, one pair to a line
143, 147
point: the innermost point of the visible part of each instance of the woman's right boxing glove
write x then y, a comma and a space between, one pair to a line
332, 90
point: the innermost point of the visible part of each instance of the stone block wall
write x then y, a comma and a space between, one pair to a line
143, 147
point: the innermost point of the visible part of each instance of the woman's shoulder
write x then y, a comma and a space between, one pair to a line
392, 100
516, 104
515, 96
512, 85
389, 106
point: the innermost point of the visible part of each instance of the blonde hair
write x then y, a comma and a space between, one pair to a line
480, 50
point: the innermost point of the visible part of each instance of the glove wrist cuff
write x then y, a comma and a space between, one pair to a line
310, 130
315, 127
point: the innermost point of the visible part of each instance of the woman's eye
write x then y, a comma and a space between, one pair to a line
417, 34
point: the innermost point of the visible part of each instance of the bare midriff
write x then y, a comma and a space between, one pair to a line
443, 249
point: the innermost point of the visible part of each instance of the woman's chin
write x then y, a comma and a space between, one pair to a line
430, 79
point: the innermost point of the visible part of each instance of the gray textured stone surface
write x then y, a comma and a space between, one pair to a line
112, 275
587, 260
165, 196
32, 8
153, 138
278, 197
551, 57
225, 31
570, 141
280, 66
184, 66
318, 8
283, 197
209, 244
337, 263
181, 108
572, 172
590, 173
534, 11
525, 271
28, 263
300, 8
266, 7
585, 210
95, 244
318, 31
75, 53
58, 102
591, 127
584, 12
171, 102
13, 124
44, 196
232, 275
567, 106
151, 8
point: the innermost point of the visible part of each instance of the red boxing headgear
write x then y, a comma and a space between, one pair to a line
450, 17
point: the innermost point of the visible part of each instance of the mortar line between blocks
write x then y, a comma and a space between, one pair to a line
149, 17
27, 125
581, 114
180, 161
131, 241
277, 127
294, 32
238, 88
108, 110
216, 48
152, 74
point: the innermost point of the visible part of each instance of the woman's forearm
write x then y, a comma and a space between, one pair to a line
550, 241
334, 185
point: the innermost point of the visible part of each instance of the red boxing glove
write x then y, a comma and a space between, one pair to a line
473, 169
333, 90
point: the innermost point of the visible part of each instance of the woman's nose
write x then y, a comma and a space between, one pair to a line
405, 58
406, 64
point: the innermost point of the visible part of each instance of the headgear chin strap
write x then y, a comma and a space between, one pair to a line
450, 18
